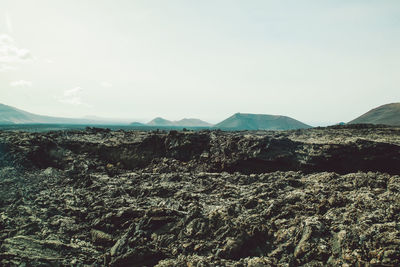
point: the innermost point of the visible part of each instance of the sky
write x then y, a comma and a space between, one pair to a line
320, 62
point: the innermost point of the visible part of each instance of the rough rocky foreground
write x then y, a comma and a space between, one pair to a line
317, 197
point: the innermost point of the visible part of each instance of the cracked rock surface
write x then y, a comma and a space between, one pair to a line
317, 197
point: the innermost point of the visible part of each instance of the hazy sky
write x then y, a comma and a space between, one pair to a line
317, 61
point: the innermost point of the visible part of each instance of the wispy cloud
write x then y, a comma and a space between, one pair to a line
73, 97
10, 52
5, 68
106, 84
21, 83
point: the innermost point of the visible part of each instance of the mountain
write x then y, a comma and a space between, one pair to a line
181, 123
243, 121
159, 122
11, 115
388, 114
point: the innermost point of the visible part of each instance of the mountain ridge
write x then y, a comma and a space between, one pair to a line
11, 115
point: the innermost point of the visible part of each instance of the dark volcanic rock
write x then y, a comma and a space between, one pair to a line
349, 150
318, 197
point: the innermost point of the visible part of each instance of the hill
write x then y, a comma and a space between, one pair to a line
243, 121
11, 115
159, 122
388, 114
181, 123
137, 124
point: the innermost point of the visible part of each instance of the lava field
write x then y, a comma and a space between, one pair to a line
96, 197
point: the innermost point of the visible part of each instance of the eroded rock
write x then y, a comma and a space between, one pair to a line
104, 198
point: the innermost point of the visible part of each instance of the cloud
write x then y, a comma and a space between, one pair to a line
73, 97
5, 68
21, 83
106, 84
10, 52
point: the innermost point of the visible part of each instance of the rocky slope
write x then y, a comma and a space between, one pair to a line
312, 197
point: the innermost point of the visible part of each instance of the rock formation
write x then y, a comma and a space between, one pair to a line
316, 197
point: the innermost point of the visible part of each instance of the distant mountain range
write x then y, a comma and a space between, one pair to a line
244, 121
239, 121
181, 123
388, 114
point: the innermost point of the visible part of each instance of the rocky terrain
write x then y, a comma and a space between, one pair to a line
95, 197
